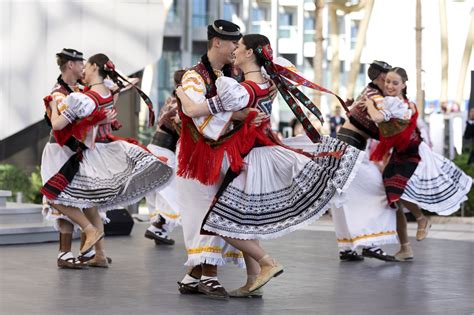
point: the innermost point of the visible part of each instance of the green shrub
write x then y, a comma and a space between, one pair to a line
34, 194
14, 179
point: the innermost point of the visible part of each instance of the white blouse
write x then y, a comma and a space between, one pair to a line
393, 107
78, 105
231, 96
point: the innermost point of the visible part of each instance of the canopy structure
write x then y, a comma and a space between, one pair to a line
32, 32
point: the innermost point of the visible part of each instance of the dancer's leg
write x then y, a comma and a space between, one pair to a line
423, 221
405, 253
93, 215
75, 215
402, 226
66, 258
269, 268
250, 247
209, 270
65, 235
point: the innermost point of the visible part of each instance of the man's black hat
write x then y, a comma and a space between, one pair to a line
376, 68
223, 29
70, 54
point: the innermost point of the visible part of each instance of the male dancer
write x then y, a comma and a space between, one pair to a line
206, 252
365, 220
71, 65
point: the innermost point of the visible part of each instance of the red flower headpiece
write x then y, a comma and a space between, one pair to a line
109, 66
267, 52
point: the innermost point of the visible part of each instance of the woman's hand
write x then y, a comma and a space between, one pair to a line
261, 117
58, 122
111, 115
53, 105
242, 114
373, 113
366, 103
179, 92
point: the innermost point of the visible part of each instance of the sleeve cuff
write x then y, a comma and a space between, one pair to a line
215, 105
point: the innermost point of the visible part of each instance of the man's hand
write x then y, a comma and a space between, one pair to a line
242, 114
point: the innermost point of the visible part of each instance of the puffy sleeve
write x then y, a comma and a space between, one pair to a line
78, 105
212, 126
109, 84
231, 96
394, 107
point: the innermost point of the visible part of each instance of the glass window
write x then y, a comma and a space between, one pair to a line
200, 13
354, 31
309, 27
231, 10
169, 62
173, 14
286, 20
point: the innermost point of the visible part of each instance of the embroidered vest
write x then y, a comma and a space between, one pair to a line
359, 116
104, 130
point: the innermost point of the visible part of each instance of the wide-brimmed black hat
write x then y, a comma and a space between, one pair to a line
223, 29
71, 54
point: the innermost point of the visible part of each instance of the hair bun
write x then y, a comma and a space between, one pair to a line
109, 66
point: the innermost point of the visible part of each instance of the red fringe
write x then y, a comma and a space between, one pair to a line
399, 141
200, 161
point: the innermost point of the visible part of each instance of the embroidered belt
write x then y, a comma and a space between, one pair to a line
165, 140
352, 138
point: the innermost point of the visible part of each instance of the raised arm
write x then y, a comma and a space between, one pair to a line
373, 112
74, 106
191, 108
58, 121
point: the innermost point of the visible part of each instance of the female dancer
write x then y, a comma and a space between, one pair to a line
100, 171
415, 176
277, 189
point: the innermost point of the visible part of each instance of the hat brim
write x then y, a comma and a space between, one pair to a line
69, 57
211, 33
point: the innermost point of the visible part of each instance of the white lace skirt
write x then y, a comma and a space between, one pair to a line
110, 175
437, 185
280, 190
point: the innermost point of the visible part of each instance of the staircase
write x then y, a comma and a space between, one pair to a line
22, 223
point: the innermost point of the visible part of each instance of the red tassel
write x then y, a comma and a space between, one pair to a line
198, 160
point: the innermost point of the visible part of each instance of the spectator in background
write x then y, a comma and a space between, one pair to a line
336, 121
296, 127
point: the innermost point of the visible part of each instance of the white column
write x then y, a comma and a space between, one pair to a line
300, 40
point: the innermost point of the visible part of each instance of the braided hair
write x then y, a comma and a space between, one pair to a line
227, 69
253, 41
106, 68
